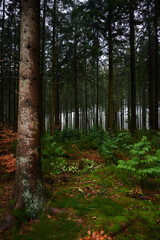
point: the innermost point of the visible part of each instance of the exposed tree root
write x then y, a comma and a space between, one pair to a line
9, 220
53, 210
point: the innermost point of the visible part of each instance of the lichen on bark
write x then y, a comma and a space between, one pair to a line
29, 191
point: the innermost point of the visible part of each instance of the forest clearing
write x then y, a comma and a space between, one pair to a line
79, 119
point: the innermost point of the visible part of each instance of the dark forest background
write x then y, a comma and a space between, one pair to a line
99, 64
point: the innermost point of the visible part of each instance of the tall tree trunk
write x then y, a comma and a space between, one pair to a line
132, 66
143, 107
53, 71
86, 98
97, 88
76, 80
2, 68
43, 88
150, 74
110, 84
28, 183
57, 102
129, 103
156, 67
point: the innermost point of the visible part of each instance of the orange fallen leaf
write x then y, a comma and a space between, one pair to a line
109, 238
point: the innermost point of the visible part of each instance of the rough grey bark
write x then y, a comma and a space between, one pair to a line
28, 184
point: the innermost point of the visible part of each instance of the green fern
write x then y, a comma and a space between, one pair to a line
141, 164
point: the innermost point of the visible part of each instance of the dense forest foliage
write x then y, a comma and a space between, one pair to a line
99, 63
79, 119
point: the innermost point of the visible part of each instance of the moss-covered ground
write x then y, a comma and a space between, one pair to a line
99, 200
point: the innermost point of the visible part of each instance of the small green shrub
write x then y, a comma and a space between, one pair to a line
66, 134
51, 154
108, 148
141, 163
96, 135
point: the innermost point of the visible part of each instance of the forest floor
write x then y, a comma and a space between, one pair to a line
100, 205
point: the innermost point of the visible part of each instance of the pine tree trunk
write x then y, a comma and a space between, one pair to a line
143, 108
110, 84
150, 75
57, 102
28, 182
43, 95
86, 98
53, 72
132, 66
97, 88
2, 68
156, 67
76, 80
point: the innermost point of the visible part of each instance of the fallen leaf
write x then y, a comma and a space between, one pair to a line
109, 238
80, 190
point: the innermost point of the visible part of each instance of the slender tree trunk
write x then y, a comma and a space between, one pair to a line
129, 103
43, 95
53, 72
156, 67
143, 107
28, 183
150, 74
110, 84
76, 80
132, 66
86, 98
97, 88
2, 68
57, 107
67, 116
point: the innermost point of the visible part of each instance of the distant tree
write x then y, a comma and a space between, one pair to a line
43, 47
110, 83
132, 65
53, 70
2, 66
156, 18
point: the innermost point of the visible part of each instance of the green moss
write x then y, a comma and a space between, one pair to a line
53, 228
21, 216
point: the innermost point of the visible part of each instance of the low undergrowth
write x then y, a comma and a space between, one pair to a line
103, 199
